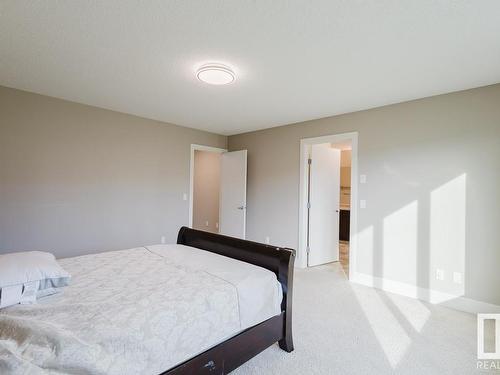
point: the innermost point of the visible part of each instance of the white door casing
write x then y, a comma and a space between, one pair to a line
324, 204
233, 194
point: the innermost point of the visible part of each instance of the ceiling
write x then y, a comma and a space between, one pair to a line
294, 60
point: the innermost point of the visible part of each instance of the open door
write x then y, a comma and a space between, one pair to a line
233, 194
324, 205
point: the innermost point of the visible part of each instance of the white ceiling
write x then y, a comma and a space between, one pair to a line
294, 60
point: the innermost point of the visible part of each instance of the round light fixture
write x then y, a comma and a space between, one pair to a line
215, 74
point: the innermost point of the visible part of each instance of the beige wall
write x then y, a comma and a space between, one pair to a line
345, 168
206, 190
345, 158
77, 179
345, 176
432, 192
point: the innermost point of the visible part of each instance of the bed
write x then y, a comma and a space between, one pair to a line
202, 306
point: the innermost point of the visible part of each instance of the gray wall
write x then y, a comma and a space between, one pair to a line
432, 192
206, 190
76, 179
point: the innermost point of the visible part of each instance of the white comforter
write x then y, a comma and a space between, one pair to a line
137, 311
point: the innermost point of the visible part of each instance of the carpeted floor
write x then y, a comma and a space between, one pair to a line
344, 328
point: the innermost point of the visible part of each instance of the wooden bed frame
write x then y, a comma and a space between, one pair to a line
230, 354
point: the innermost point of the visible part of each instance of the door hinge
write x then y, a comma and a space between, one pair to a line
309, 161
308, 249
308, 205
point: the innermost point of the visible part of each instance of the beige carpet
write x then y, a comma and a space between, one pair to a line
343, 328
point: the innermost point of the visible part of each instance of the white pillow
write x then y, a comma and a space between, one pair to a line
26, 275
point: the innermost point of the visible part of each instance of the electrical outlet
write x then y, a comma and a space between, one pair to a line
439, 274
457, 277
217, 225
162, 240
267, 240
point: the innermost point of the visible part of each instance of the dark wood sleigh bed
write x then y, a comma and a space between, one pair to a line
230, 354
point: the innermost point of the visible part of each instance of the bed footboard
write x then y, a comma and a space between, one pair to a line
230, 354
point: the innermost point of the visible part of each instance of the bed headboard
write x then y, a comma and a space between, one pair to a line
279, 260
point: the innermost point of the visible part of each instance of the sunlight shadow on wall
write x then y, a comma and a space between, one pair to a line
398, 260
396, 321
400, 239
447, 237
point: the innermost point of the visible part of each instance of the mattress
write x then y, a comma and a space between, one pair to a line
136, 311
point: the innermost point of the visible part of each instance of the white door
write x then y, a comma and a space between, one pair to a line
233, 194
324, 204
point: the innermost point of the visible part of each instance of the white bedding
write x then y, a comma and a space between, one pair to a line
136, 311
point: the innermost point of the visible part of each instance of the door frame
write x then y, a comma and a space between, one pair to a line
196, 147
334, 138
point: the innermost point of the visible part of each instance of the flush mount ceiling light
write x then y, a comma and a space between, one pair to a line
215, 74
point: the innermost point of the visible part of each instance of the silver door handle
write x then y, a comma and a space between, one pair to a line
241, 207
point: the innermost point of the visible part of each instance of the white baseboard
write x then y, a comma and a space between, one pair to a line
428, 295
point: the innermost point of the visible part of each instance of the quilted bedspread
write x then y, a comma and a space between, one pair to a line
125, 312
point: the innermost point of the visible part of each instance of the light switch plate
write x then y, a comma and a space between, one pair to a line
457, 277
362, 178
184, 197
439, 274
162, 240
362, 203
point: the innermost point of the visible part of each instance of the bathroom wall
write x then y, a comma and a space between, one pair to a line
206, 190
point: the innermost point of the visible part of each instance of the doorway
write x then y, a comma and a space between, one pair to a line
328, 196
217, 198
344, 210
